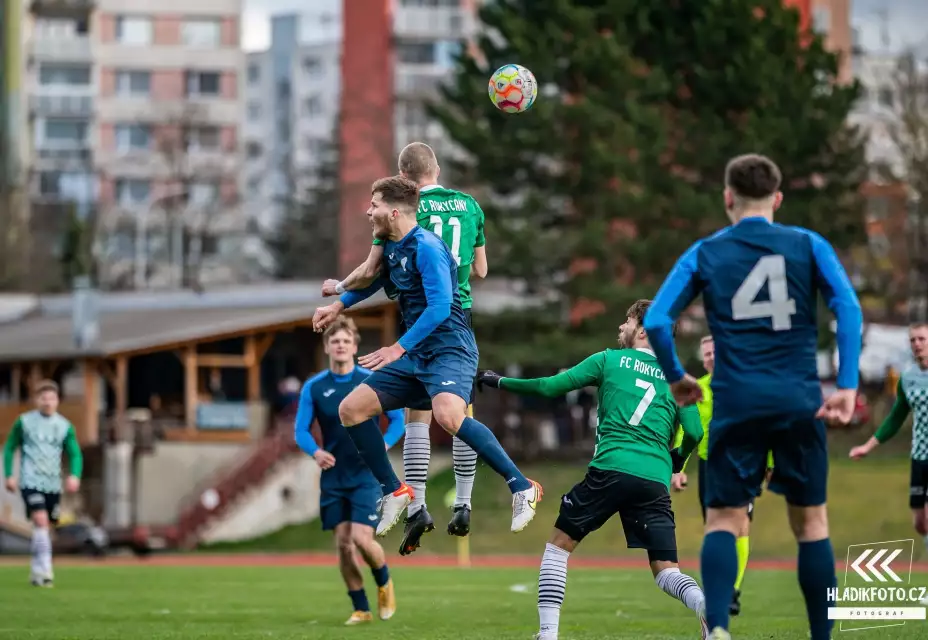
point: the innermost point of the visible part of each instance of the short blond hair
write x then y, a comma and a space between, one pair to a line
342, 323
46, 385
706, 339
417, 161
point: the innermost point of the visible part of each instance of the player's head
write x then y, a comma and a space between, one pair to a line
391, 199
631, 333
46, 397
340, 341
752, 187
417, 162
707, 351
918, 339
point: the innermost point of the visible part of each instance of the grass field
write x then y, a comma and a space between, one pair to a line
868, 501
299, 602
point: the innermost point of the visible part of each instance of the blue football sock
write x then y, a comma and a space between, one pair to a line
719, 565
381, 575
816, 577
359, 600
480, 439
369, 441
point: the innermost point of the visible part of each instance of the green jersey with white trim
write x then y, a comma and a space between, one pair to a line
911, 396
458, 220
42, 439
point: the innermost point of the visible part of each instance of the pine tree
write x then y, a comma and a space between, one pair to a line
618, 167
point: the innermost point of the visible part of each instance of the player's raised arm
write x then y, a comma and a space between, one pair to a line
434, 266
362, 277
679, 289
395, 428
588, 373
890, 425
842, 300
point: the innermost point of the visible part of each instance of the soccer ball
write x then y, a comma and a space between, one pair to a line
513, 88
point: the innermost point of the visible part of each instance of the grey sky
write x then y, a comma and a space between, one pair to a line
907, 21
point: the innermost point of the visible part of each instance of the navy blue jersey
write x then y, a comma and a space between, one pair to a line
422, 273
760, 283
319, 400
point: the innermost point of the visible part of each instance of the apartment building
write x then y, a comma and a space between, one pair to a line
135, 108
295, 99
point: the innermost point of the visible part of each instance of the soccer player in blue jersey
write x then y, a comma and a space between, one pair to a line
350, 493
433, 365
759, 283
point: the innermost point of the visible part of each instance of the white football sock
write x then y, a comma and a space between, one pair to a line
682, 587
552, 585
465, 468
416, 452
41, 564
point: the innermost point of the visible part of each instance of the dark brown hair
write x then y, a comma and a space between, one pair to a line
417, 161
753, 177
46, 385
398, 192
639, 309
342, 323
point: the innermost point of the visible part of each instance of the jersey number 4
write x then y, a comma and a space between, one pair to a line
455, 244
780, 308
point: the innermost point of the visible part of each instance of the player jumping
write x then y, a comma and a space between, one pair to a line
350, 493
432, 366
679, 481
911, 393
41, 435
631, 467
759, 283
458, 220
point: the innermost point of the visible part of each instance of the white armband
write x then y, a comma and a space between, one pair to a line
340, 288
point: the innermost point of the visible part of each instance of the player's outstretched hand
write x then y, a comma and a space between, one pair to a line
488, 378
72, 484
679, 481
328, 288
864, 450
382, 357
12, 484
686, 391
324, 459
324, 316
838, 408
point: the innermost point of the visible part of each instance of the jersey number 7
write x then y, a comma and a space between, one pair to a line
780, 308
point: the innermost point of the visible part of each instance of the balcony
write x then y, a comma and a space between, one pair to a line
433, 23
63, 156
62, 104
61, 50
62, 8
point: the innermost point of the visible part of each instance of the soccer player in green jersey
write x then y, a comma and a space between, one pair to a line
41, 435
631, 468
458, 220
911, 395
679, 481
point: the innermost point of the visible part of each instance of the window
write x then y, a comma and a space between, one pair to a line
132, 137
821, 20
446, 51
64, 75
68, 133
886, 97
416, 52
312, 66
50, 183
254, 73
203, 139
47, 28
254, 150
131, 192
254, 111
133, 83
203, 193
133, 30
202, 83
201, 33
316, 146
312, 106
